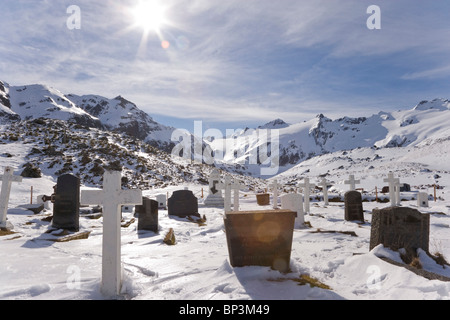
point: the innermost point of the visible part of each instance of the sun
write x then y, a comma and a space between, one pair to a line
149, 15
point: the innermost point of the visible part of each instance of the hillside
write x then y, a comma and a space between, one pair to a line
428, 121
245, 150
118, 114
56, 147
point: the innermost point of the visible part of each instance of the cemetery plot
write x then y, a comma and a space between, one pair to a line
197, 264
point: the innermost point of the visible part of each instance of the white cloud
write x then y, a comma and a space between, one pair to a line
228, 60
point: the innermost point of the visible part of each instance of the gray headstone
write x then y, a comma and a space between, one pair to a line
400, 227
147, 215
66, 209
183, 203
260, 238
353, 206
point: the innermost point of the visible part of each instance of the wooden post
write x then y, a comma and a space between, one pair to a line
31, 195
376, 194
435, 192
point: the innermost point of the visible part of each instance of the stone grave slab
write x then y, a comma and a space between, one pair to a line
263, 199
162, 201
66, 209
260, 238
400, 227
214, 198
353, 206
183, 203
422, 200
147, 215
294, 202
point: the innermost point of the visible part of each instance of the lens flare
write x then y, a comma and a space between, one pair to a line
149, 15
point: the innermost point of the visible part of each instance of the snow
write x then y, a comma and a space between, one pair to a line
198, 268
42, 101
34, 267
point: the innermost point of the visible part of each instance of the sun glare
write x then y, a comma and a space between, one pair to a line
149, 15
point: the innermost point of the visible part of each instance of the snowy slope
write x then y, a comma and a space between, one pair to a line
118, 114
40, 101
198, 268
321, 135
57, 147
6, 114
121, 115
297, 142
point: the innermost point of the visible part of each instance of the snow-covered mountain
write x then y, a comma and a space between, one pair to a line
303, 141
51, 148
118, 114
245, 150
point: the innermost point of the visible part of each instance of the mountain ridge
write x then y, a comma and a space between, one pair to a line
298, 142
118, 114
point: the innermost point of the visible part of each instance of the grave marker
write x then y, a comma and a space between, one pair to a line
400, 227
226, 186
7, 179
236, 187
306, 185
274, 187
66, 208
422, 199
397, 191
183, 203
352, 182
162, 201
260, 238
353, 206
214, 198
324, 185
392, 181
147, 215
112, 197
294, 202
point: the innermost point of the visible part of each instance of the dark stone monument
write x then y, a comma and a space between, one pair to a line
260, 238
66, 209
183, 203
147, 215
263, 199
400, 227
404, 187
353, 206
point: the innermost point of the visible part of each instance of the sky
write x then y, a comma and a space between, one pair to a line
233, 63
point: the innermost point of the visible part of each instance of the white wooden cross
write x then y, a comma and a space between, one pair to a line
324, 185
352, 182
236, 187
274, 187
7, 179
397, 191
392, 181
112, 197
226, 186
307, 188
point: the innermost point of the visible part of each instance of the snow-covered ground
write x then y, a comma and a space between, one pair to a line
198, 268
